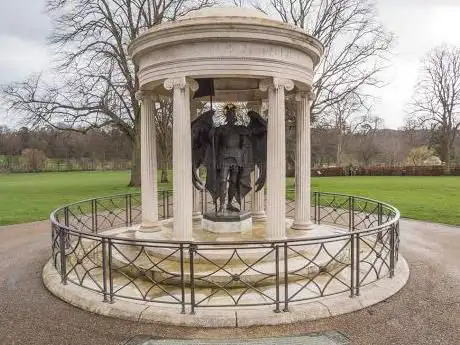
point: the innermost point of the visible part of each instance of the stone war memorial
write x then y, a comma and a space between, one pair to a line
229, 245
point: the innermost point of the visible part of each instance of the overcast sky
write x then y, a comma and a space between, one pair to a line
418, 25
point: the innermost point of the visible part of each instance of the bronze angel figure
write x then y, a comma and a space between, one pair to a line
230, 153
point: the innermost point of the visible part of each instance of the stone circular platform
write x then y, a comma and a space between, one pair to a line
228, 317
348, 261
253, 261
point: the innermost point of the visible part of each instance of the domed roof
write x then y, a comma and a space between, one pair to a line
227, 12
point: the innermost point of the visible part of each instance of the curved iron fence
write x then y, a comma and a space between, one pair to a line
203, 274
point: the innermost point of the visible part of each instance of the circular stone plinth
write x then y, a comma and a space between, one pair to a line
253, 262
226, 317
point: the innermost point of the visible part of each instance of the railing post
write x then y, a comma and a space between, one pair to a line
192, 250
182, 278
379, 221
202, 201
277, 270
353, 265
167, 203
109, 243
126, 210
357, 263
286, 278
318, 206
392, 250
104, 268
379, 213
314, 206
130, 202
163, 198
62, 254
93, 215
170, 209
353, 213
350, 212
66, 216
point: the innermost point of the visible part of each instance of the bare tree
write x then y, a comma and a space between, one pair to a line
95, 80
367, 147
436, 100
345, 118
419, 155
356, 47
164, 122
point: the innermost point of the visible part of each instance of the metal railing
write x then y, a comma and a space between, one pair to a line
199, 274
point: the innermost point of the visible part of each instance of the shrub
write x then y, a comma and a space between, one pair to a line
33, 159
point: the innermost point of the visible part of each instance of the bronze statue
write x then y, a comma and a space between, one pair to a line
230, 153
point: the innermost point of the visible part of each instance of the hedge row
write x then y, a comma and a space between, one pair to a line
387, 171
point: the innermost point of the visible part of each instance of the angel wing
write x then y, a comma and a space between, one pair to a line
258, 126
201, 143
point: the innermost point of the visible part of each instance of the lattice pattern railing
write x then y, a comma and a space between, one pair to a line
224, 274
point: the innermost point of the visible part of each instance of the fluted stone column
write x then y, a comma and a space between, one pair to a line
149, 193
302, 220
258, 206
276, 156
182, 157
258, 198
197, 204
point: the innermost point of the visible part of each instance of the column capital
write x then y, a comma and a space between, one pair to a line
180, 83
143, 96
276, 83
309, 95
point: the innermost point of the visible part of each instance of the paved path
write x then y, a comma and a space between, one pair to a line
426, 311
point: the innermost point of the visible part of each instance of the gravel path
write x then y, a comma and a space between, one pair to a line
426, 311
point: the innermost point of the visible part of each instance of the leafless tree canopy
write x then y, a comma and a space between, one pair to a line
95, 81
345, 118
436, 100
356, 47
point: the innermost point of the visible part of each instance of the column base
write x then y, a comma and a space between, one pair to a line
280, 238
197, 215
181, 239
259, 216
149, 227
303, 225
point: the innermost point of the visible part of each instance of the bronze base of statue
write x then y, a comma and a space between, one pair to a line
227, 222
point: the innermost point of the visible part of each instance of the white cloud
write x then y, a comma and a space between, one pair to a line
419, 26
20, 57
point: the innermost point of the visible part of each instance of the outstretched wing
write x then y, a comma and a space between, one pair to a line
201, 141
258, 126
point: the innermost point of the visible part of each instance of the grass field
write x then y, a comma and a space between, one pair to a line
30, 197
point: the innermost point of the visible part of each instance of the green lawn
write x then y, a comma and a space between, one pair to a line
433, 198
29, 197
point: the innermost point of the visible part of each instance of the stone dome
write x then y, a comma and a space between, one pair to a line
227, 12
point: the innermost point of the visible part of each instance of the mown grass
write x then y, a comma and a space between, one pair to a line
430, 198
30, 197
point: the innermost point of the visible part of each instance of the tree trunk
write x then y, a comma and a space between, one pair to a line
339, 148
164, 173
445, 151
135, 180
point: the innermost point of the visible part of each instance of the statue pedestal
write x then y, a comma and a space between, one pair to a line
227, 222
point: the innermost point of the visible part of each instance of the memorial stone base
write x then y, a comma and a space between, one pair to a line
228, 222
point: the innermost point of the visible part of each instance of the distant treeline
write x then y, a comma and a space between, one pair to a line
438, 170
96, 144
48, 149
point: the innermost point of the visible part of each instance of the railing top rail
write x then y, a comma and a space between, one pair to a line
335, 237
361, 198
